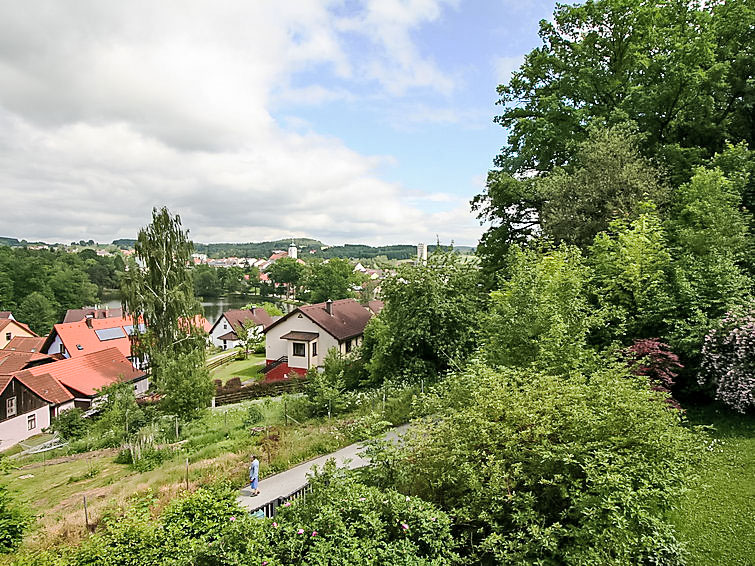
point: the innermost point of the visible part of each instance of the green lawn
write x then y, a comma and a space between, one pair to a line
716, 520
244, 369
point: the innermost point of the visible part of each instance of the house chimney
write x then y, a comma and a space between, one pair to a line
89, 321
329, 307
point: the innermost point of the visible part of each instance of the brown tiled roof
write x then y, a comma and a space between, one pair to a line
347, 320
11, 362
5, 314
301, 336
237, 317
26, 344
229, 336
376, 306
45, 386
75, 315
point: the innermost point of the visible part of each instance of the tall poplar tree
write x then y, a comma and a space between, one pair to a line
158, 289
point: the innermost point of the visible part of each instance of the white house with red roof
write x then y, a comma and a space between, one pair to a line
76, 339
301, 339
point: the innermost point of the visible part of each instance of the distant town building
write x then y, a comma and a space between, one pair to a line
421, 253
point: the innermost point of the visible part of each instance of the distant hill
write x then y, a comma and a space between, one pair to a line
255, 249
15, 243
307, 248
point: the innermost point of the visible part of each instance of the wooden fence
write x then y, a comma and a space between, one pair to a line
260, 390
220, 360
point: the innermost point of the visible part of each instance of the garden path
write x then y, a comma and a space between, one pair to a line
287, 482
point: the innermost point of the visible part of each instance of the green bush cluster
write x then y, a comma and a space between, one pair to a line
538, 469
342, 522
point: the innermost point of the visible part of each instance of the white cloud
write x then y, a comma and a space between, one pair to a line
110, 108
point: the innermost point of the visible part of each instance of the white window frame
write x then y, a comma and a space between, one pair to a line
303, 349
31, 421
11, 407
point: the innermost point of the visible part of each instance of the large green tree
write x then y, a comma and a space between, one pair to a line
540, 316
332, 280
430, 322
159, 290
680, 70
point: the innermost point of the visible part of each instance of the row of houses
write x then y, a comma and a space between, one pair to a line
42, 376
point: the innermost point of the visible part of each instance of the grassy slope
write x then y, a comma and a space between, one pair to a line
245, 369
218, 447
716, 520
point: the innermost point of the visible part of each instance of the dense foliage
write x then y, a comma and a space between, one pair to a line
13, 522
430, 322
38, 286
680, 71
537, 469
342, 522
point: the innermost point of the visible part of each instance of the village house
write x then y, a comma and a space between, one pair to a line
223, 332
10, 328
35, 388
301, 339
75, 315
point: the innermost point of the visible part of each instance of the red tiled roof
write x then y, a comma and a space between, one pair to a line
5, 314
348, 318
88, 373
26, 344
79, 334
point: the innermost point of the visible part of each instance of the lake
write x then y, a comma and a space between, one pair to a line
213, 308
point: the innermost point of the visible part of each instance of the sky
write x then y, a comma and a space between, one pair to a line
346, 121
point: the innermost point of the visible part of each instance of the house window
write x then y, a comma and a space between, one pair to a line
62, 349
10, 407
31, 422
225, 326
348, 346
299, 349
314, 348
8, 335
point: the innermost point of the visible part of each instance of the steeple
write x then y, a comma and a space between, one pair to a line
293, 253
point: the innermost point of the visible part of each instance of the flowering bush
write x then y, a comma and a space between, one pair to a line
729, 359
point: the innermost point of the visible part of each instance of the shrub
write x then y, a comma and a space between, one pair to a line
654, 360
253, 416
13, 522
345, 522
70, 425
729, 359
548, 470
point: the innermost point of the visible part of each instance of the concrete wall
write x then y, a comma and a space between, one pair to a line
16, 429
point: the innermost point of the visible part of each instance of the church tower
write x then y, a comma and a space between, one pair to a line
293, 253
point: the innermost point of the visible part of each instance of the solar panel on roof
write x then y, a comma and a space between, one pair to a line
110, 333
129, 328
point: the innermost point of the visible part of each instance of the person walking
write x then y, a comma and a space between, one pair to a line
254, 473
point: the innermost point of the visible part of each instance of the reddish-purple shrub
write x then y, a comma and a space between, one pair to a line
654, 359
729, 359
